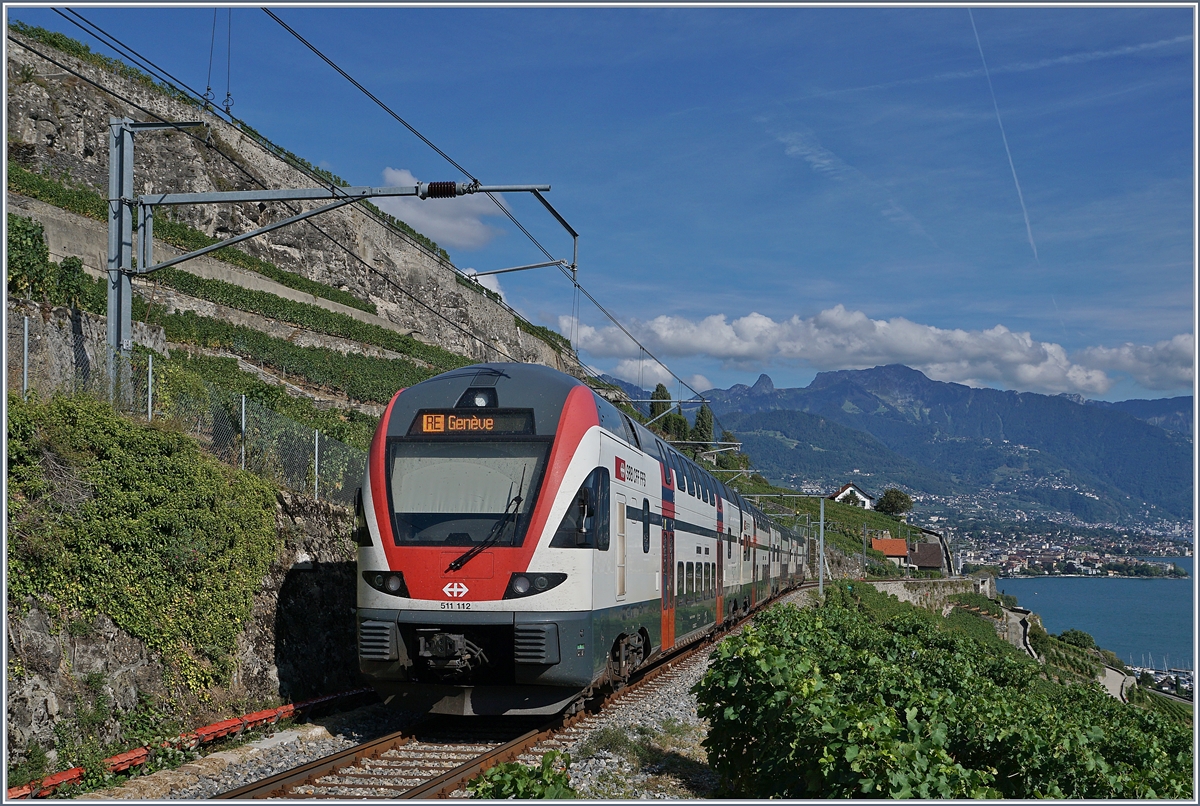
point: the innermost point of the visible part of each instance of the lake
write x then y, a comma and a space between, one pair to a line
1135, 618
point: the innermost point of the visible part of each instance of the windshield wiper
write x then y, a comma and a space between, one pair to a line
510, 509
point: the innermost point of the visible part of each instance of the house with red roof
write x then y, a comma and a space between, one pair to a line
893, 548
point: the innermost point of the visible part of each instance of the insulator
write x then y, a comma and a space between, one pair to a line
442, 190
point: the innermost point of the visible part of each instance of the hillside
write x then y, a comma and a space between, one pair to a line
357, 259
1099, 462
794, 446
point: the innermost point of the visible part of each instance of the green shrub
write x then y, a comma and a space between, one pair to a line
133, 521
512, 780
844, 701
1077, 638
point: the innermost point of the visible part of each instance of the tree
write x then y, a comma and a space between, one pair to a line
1077, 638
894, 502
702, 431
852, 499
660, 393
1146, 680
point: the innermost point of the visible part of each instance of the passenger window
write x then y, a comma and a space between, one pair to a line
634, 438
690, 578
729, 545
680, 483
645, 526
679, 581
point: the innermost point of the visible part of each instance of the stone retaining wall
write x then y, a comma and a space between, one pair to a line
299, 643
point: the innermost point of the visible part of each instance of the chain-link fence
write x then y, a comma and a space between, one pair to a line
240, 432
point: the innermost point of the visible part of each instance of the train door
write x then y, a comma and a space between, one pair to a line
719, 582
621, 552
668, 585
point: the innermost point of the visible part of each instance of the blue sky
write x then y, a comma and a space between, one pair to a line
784, 190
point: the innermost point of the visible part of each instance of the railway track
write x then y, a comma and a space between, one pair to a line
439, 755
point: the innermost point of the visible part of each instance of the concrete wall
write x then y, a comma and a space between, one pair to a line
934, 593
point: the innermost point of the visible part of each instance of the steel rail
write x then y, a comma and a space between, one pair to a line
443, 784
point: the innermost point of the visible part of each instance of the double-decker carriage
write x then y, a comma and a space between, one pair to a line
522, 542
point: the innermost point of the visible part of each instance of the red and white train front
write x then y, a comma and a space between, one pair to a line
465, 602
521, 541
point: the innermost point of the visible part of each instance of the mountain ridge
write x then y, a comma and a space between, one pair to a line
1042, 451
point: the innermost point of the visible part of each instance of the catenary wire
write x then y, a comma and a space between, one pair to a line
578, 287
183, 130
150, 65
124, 50
252, 138
508, 213
470, 176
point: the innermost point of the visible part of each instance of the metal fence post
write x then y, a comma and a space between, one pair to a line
150, 387
25, 364
243, 432
316, 462
821, 559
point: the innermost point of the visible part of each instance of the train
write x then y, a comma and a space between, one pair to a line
522, 542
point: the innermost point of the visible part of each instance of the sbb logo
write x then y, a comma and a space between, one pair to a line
625, 472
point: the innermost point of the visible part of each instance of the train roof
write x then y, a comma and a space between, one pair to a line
544, 390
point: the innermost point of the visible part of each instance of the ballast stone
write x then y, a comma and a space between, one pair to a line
164, 782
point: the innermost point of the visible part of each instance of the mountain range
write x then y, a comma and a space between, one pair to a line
1100, 462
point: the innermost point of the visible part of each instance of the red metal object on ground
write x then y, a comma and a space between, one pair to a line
208, 733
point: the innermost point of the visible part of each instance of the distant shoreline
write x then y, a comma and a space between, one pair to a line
1092, 576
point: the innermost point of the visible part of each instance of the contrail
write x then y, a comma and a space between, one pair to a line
1021, 198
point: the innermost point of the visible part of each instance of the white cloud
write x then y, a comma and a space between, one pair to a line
1168, 364
456, 222
838, 338
648, 373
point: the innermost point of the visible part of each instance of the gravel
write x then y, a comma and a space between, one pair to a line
645, 747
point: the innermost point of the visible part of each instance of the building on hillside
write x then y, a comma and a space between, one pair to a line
937, 556
893, 548
926, 557
854, 495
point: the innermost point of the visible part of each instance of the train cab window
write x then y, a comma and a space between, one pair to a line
645, 526
460, 494
361, 534
586, 522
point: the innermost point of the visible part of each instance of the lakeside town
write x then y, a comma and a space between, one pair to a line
1017, 556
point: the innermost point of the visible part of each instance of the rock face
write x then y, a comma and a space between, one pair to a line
58, 124
299, 643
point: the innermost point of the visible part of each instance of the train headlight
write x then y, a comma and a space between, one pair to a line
529, 584
390, 582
